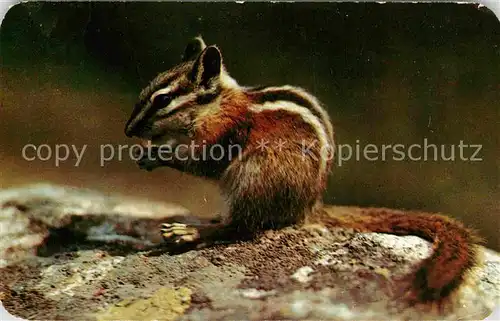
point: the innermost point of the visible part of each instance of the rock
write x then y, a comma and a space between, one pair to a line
164, 304
28, 216
78, 254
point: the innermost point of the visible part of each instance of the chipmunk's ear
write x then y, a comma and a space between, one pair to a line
193, 49
208, 66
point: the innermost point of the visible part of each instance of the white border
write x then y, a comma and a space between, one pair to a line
6, 316
493, 5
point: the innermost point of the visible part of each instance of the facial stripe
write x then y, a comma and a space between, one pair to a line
176, 103
179, 101
164, 79
206, 97
148, 108
168, 90
308, 117
200, 98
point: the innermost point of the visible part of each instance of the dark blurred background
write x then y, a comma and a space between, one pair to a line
388, 73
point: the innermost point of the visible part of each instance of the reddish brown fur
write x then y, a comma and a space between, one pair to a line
454, 246
260, 204
255, 207
272, 188
232, 119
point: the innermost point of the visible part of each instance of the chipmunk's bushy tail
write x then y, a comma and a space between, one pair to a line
454, 246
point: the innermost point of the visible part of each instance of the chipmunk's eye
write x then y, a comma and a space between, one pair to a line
162, 100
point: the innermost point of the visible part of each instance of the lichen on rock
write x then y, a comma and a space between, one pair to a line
165, 304
55, 268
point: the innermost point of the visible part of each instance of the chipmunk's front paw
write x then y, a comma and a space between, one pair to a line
147, 164
179, 233
144, 161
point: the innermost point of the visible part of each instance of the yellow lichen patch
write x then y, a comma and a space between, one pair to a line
383, 271
164, 304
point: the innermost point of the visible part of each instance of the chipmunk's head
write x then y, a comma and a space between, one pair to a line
170, 104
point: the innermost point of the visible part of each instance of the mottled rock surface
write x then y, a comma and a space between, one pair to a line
68, 253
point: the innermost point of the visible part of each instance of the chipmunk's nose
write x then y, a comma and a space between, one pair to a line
138, 130
129, 131
133, 124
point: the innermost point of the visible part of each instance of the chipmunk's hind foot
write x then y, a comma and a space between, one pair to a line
179, 233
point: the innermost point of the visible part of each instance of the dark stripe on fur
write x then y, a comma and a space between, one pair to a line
285, 95
152, 109
208, 97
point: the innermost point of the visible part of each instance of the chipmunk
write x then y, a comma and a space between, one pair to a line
285, 143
